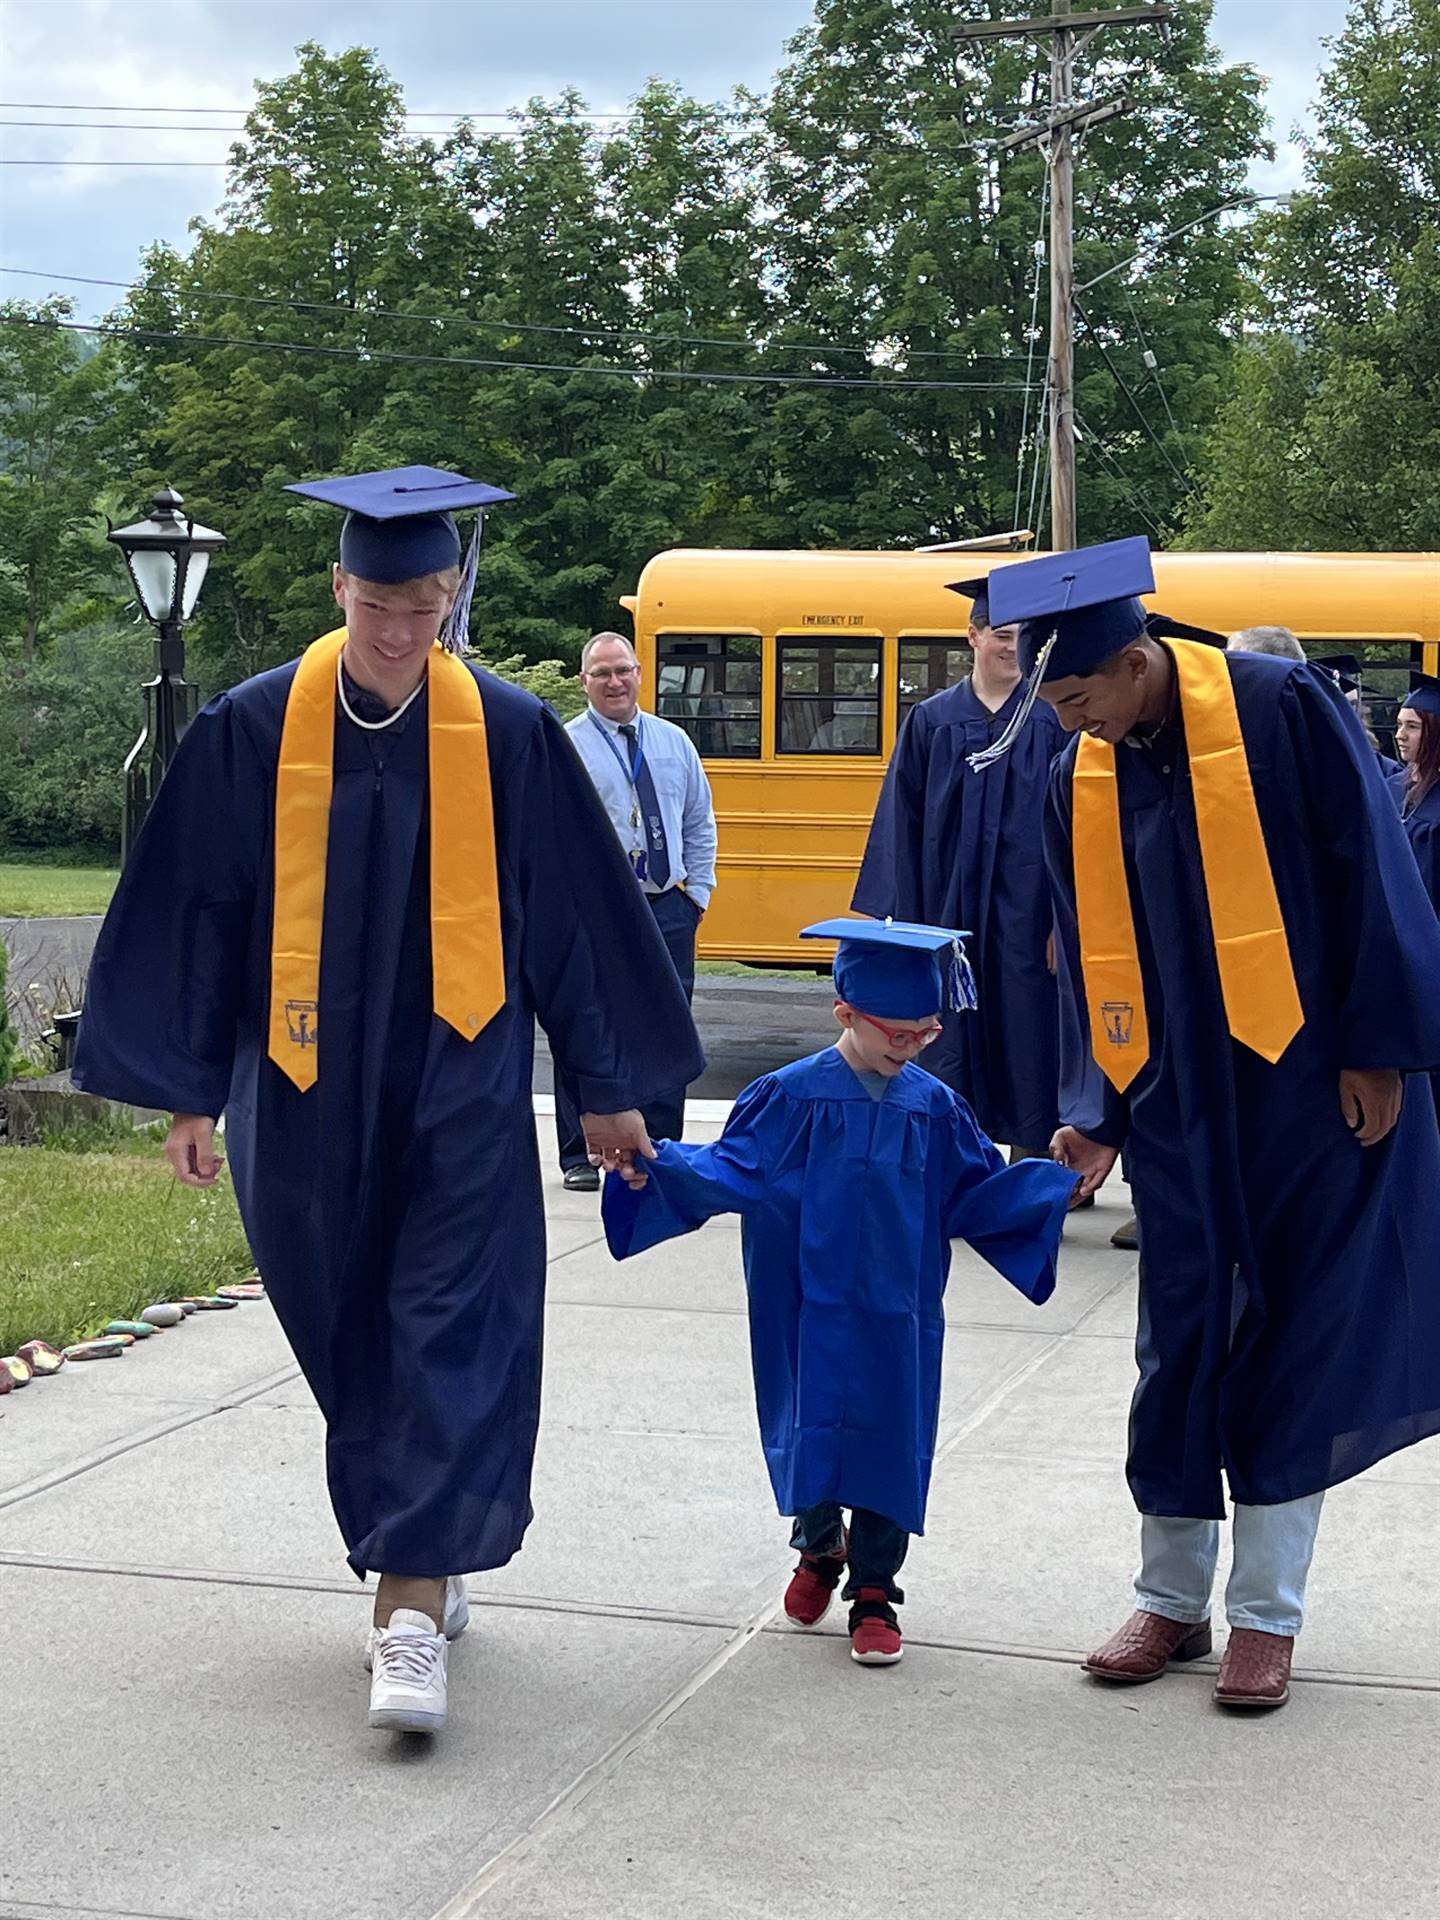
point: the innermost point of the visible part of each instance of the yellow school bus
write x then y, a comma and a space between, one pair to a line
792, 672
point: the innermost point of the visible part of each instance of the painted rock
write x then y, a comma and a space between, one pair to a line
44, 1359
107, 1349
7, 1385
211, 1303
137, 1329
20, 1371
242, 1290
187, 1307
162, 1314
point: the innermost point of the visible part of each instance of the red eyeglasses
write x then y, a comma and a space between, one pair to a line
917, 1037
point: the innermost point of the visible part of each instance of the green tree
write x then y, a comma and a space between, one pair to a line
1331, 437
56, 442
894, 223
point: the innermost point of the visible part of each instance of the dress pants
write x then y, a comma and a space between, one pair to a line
678, 919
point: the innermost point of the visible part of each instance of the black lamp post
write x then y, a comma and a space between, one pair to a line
168, 556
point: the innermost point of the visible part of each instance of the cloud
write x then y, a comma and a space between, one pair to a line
450, 55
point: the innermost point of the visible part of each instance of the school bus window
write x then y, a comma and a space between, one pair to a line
829, 697
930, 666
709, 684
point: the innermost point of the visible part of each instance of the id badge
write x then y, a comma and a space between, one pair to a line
640, 863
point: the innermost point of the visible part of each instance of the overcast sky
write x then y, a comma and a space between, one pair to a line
451, 55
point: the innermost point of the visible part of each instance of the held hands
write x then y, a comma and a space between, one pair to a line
190, 1149
613, 1140
1371, 1101
1084, 1156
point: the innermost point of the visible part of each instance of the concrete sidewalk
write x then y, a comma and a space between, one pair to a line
633, 1737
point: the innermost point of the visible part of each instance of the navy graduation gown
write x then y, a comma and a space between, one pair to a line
1289, 1313
953, 848
395, 1209
849, 1206
1422, 829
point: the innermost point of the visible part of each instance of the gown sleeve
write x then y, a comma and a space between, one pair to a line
1382, 938
1088, 1102
1424, 833
163, 996
595, 967
1012, 1216
891, 883
689, 1185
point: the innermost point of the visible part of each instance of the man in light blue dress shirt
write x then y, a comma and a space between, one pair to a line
653, 787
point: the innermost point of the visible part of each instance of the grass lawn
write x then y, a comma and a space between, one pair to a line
33, 893
91, 1237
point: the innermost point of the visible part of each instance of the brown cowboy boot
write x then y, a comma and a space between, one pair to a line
1144, 1648
1255, 1673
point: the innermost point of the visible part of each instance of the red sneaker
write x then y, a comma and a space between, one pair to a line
874, 1631
812, 1588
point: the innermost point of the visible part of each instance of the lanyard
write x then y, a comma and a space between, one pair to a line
631, 773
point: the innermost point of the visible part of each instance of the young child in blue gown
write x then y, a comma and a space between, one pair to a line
852, 1171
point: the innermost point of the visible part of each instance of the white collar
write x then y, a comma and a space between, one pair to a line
614, 726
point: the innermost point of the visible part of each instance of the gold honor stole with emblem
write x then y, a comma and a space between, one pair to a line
468, 957
1252, 948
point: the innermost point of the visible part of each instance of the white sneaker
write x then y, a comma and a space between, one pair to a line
407, 1686
457, 1618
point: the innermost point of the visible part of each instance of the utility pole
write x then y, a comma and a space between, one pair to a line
1066, 32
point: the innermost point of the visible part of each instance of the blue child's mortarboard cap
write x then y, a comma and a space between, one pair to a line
896, 969
1424, 694
399, 525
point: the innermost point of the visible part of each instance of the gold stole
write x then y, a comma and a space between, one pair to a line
468, 958
1252, 949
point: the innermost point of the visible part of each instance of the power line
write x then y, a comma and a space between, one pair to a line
1135, 407
364, 355
108, 164
499, 326
1034, 334
1114, 468
1152, 365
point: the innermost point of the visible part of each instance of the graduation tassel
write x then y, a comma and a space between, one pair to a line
455, 634
963, 997
980, 762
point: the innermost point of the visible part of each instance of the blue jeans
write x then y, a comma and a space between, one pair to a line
1273, 1550
877, 1546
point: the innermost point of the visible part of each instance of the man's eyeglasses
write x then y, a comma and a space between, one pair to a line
611, 673
899, 1037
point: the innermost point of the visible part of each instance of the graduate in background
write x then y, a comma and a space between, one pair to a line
1250, 962
1416, 786
366, 875
955, 848
852, 1172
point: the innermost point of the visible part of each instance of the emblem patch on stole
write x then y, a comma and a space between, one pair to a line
1119, 1022
302, 1017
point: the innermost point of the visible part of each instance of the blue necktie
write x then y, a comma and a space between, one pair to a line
656, 852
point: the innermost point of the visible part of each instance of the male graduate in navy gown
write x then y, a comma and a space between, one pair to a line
959, 849
366, 875
853, 1171
1250, 965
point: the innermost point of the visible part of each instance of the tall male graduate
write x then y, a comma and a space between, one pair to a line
1250, 964
954, 848
365, 876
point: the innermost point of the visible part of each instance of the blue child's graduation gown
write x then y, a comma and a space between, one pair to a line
955, 848
1289, 1312
394, 1209
849, 1205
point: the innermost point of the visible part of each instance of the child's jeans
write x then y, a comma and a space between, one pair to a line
877, 1546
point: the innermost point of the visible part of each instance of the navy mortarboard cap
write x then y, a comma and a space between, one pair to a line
1424, 694
1343, 667
1075, 611
1088, 602
978, 592
898, 970
400, 525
